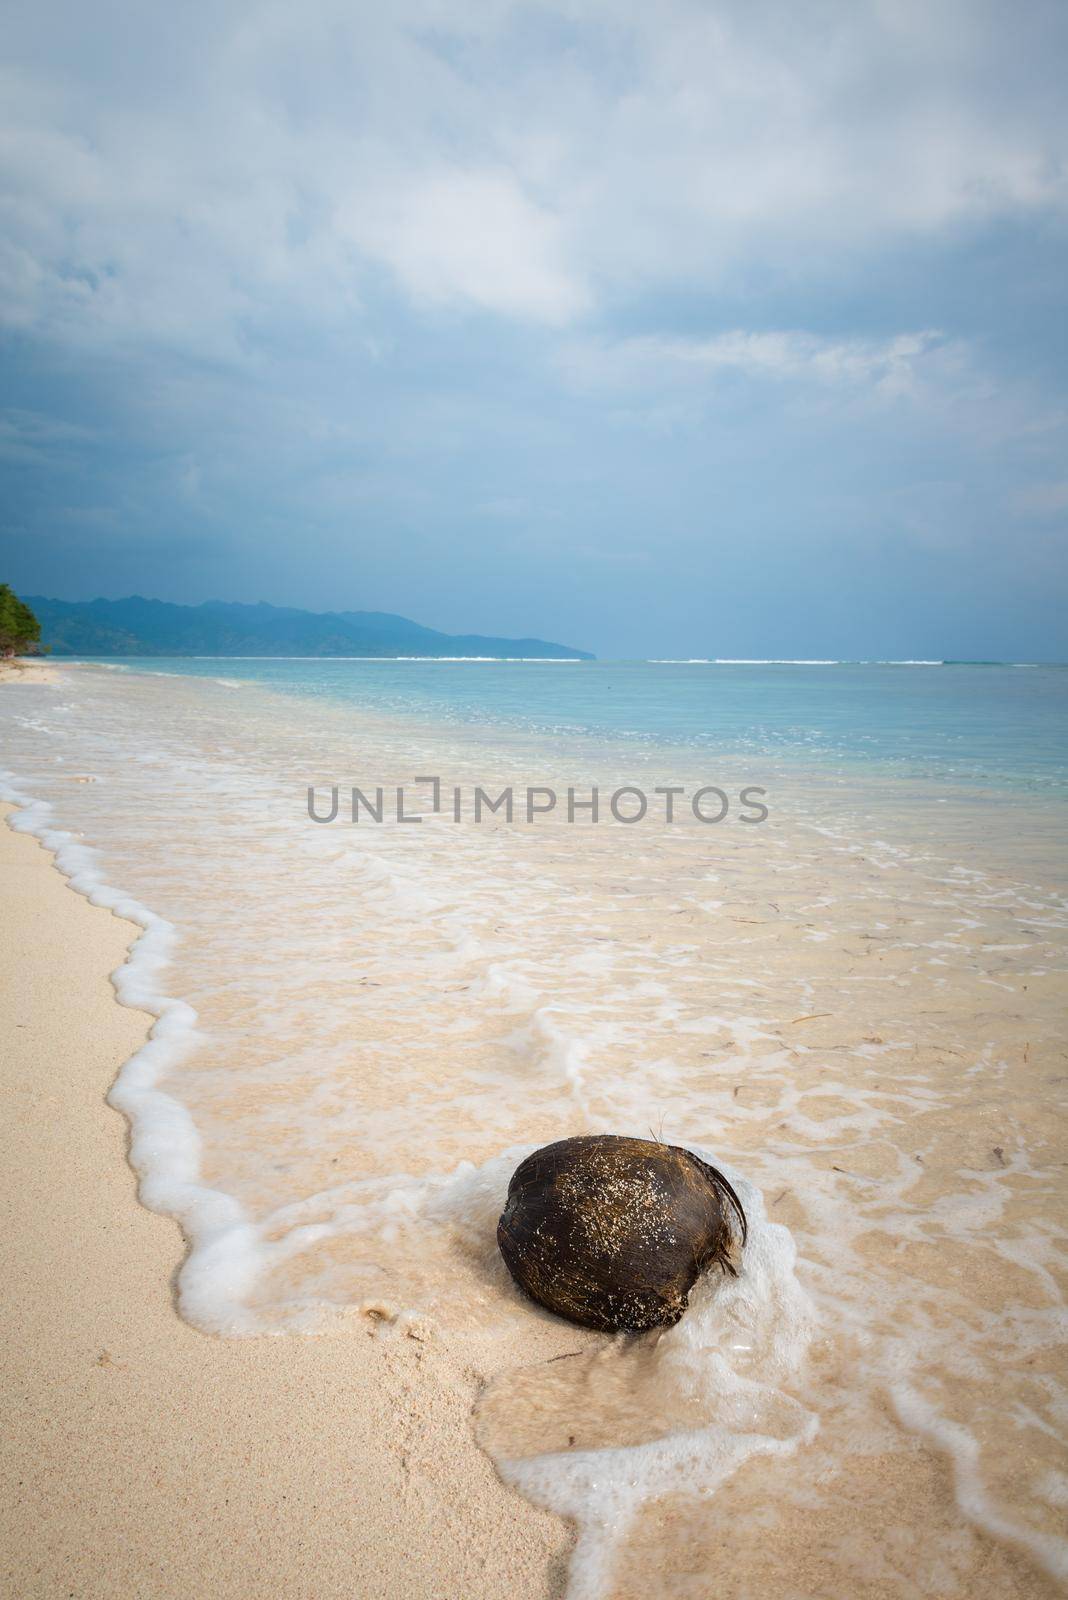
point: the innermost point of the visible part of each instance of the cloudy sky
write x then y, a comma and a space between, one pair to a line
685, 328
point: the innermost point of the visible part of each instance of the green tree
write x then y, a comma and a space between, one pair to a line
20, 631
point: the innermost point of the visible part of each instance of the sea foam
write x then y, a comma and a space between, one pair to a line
165, 1147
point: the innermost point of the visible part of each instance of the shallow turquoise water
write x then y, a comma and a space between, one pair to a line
1003, 727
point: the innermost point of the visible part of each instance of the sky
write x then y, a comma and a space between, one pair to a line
681, 329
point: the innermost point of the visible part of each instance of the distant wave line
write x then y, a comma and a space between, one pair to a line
791, 661
777, 661
551, 661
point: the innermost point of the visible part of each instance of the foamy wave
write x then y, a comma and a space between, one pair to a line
164, 1144
791, 661
920, 1417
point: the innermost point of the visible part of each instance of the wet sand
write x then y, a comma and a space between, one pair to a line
143, 1457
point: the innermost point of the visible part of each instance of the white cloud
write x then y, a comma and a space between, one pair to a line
235, 163
469, 236
885, 367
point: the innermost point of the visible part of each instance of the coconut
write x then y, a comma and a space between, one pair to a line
614, 1232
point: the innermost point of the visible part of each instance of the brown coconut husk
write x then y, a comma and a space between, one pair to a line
613, 1233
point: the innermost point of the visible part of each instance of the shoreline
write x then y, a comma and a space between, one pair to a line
886, 1163
27, 669
146, 1457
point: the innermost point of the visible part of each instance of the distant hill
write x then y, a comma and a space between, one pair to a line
138, 627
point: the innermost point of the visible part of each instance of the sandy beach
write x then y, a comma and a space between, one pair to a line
339, 1390
144, 1458
25, 669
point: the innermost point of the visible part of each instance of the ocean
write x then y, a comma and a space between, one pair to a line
817, 932
974, 723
